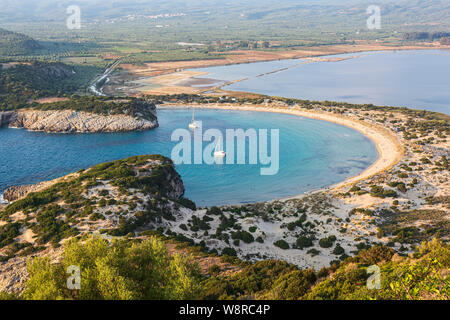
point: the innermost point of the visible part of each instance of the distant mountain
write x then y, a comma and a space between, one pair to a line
325, 12
163, 22
12, 43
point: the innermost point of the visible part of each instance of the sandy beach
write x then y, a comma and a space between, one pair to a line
390, 150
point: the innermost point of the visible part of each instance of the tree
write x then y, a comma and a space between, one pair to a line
304, 242
121, 270
45, 282
291, 286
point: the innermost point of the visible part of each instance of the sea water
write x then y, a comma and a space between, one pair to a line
313, 154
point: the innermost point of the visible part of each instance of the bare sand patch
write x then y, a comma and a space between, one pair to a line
50, 100
9, 65
27, 236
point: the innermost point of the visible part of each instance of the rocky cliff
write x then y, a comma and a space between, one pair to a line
14, 193
5, 117
69, 121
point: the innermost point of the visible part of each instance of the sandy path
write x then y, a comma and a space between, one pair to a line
390, 150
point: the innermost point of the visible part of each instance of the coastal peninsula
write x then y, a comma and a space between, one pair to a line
84, 115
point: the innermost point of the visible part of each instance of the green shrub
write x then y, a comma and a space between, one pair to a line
327, 242
229, 252
338, 250
214, 270
281, 244
243, 235
8, 232
375, 255
123, 270
303, 242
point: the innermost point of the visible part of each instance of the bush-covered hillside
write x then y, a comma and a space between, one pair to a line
109, 271
123, 270
138, 197
24, 81
102, 195
422, 275
13, 44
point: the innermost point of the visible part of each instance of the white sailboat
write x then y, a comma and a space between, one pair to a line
218, 152
193, 124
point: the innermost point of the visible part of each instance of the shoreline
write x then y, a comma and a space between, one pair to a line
390, 150
71, 121
168, 75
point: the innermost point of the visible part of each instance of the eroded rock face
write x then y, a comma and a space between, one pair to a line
14, 274
68, 121
173, 186
16, 192
5, 117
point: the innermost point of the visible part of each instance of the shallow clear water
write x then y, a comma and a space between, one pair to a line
313, 154
416, 79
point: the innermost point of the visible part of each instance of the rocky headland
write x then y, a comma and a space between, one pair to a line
70, 121
124, 196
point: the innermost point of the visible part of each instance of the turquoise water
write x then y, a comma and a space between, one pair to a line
416, 79
313, 154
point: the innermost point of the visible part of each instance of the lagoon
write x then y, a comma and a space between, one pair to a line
416, 79
313, 154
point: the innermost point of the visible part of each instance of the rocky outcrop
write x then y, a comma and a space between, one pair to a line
129, 195
14, 193
17, 192
69, 121
14, 274
5, 117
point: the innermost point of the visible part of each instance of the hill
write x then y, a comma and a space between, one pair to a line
106, 217
20, 82
13, 44
204, 27
82, 115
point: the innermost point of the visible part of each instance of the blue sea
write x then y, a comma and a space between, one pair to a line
313, 154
